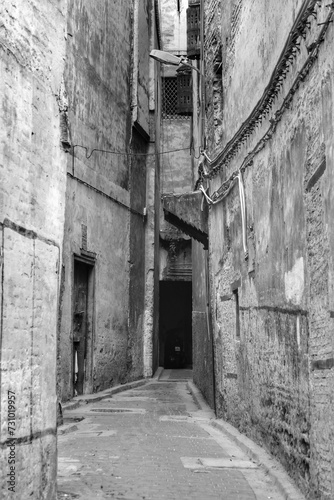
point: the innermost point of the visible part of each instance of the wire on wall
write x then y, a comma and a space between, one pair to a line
226, 186
121, 153
109, 197
263, 107
88, 155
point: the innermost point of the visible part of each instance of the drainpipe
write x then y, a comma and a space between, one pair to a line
202, 136
210, 329
243, 213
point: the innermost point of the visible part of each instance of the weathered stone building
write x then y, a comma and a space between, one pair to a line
32, 204
79, 205
106, 83
268, 176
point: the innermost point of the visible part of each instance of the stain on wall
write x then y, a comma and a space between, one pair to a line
106, 192
32, 201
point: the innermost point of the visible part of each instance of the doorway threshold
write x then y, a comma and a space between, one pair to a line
176, 375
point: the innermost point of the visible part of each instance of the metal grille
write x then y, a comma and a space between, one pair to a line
169, 98
174, 104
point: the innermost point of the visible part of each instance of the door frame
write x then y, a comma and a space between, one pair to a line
88, 375
162, 346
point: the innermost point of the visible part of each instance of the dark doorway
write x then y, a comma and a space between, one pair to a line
82, 326
175, 332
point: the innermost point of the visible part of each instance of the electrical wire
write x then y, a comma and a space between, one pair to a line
261, 110
109, 197
227, 185
89, 155
124, 153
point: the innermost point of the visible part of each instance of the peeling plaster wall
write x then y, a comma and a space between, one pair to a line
274, 357
32, 201
106, 80
97, 83
151, 310
176, 172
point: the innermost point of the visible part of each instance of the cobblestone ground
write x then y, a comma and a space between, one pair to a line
153, 443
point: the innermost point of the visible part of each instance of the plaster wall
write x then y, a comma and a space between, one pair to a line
176, 177
142, 37
176, 172
176, 167
153, 166
203, 365
174, 26
274, 353
110, 247
32, 201
107, 87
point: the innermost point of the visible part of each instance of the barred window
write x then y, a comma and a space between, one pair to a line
176, 97
169, 98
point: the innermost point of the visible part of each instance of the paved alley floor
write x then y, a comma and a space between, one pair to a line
152, 442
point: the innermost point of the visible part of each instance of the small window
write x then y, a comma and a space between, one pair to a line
176, 96
237, 313
169, 97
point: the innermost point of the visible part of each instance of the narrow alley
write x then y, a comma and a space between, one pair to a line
167, 249
153, 442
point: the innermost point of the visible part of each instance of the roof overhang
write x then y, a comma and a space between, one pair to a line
185, 211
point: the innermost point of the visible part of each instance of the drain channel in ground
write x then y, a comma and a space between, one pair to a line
119, 410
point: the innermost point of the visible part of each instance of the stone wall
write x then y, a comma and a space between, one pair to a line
273, 313
176, 172
32, 200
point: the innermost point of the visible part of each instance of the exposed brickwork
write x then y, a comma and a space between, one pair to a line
275, 381
213, 67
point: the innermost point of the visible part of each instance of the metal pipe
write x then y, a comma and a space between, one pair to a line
243, 213
210, 329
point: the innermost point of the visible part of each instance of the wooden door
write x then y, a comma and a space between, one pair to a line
80, 302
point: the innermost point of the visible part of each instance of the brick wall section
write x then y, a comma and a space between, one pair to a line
275, 381
213, 70
32, 198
